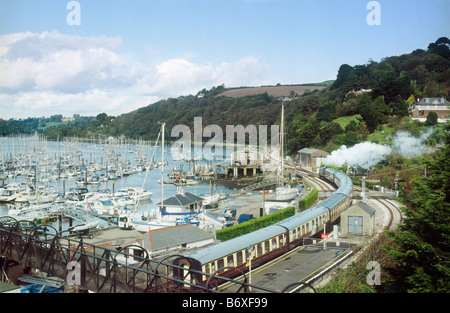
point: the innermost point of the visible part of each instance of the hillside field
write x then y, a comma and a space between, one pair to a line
273, 91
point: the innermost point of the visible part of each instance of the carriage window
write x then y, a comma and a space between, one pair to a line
274, 243
259, 249
230, 260
213, 267
220, 264
280, 239
267, 245
207, 268
239, 257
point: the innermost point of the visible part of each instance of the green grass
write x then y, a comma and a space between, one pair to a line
380, 134
345, 120
48, 125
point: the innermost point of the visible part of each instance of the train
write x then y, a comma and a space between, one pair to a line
231, 258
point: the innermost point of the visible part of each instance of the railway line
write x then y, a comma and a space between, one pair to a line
310, 175
395, 214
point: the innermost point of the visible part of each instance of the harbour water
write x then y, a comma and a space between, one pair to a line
26, 152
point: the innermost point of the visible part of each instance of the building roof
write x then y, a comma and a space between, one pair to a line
433, 101
314, 152
173, 236
182, 199
366, 208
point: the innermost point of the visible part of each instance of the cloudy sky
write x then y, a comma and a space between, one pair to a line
114, 56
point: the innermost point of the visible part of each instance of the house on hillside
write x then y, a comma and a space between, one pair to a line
285, 97
358, 92
420, 109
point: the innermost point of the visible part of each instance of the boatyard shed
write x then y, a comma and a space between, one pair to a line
248, 156
358, 219
311, 157
181, 203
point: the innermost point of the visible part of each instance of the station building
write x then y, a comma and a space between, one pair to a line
358, 219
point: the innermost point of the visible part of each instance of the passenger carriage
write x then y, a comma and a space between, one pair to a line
232, 257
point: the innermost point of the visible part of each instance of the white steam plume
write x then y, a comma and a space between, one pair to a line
409, 146
368, 154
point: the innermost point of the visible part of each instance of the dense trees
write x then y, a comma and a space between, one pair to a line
257, 110
375, 91
11, 128
422, 253
44, 124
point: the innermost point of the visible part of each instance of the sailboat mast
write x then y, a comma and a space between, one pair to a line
282, 139
162, 167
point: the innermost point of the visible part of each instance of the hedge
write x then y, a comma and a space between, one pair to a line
254, 224
308, 201
264, 221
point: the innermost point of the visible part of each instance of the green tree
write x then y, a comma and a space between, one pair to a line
329, 131
422, 255
440, 47
326, 111
352, 126
351, 138
431, 119
101, 117
399, 106
372, 112
346, 80
363, 130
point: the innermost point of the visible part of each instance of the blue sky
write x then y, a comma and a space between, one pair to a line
128, 54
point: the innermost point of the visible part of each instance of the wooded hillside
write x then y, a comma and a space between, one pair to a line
374, 91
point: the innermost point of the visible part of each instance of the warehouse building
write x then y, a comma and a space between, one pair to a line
312, 158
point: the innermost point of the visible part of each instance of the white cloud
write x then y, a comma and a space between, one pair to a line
52, 61
48, 73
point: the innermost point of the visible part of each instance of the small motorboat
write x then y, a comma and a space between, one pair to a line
85, 229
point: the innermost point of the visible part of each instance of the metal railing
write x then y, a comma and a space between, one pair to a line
102, 269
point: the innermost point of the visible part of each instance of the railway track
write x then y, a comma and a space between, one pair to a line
310, 175
323, 186
395, 214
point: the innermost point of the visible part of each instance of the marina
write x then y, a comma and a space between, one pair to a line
76, 182
36, 173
